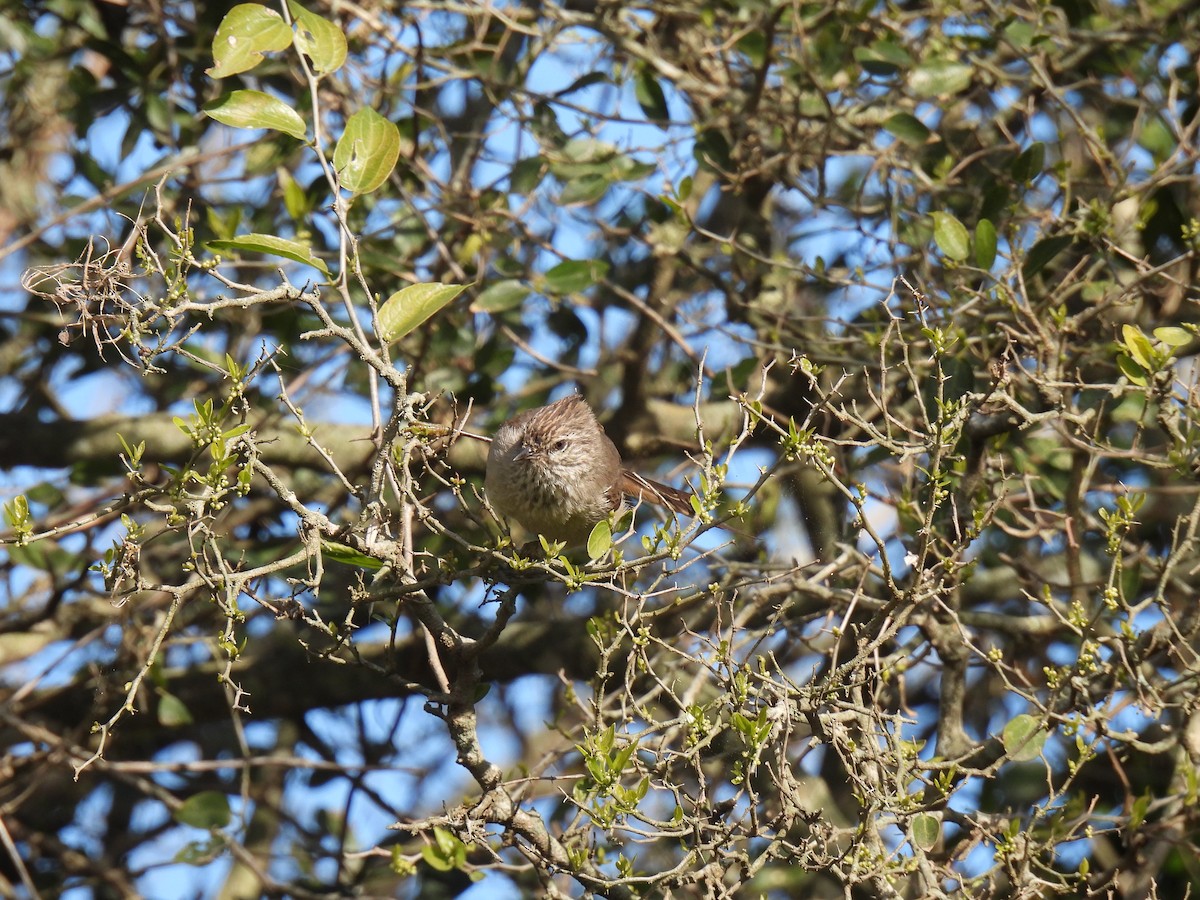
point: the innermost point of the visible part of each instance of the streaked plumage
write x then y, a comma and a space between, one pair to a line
554, 470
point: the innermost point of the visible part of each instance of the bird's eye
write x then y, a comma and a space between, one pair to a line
560, 445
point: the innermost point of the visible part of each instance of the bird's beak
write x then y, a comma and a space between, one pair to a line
523, 452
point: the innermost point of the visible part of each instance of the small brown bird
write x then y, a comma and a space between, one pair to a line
555, 471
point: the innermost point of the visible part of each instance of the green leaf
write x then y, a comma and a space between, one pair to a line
1020, 34
1028, 165
939, 78
583, 81
584, 190
527, 174
51, 494
247, 32
501, 297
1042, 252
1158, 139
366, 152
908, 128
573, 276
985, 243
712, 150
951, 236
295, 200
172, 712
926, 830
446, 853
1173, 335
1023, 738
410, 307
1141, 806
754, 45
331, 550
201, 853
16, 513
883, 58
599, 541
1138, 346
650, 95
254, 109
584, 158
318, 39
274, 246
208, 809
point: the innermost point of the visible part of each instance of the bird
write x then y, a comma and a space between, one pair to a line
555, 471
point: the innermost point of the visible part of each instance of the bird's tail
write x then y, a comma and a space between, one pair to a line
633, 485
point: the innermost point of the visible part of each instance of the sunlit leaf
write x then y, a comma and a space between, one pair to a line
340, 553
254, 109
951, 236
926, 830
410, 307
366, 152
940, 78
1023, 738
599, 541
1173, 335
1138, 346
318, 39
248, 31
273, 246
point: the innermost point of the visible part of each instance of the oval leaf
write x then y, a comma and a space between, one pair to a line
367, 151
1042, 252
908, 128
349, 556
208, 809
573, 276
584, 190
1028, 165
410, 307
273, 246
940, 78
650, 95
318, 39
926, 830
527, 174
254, 109
599, 541
1138, 346
1023, 739
1132, 370
247, 32
951, 236
172, 712
883, 58
985, 243
1173, 335
501, 297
